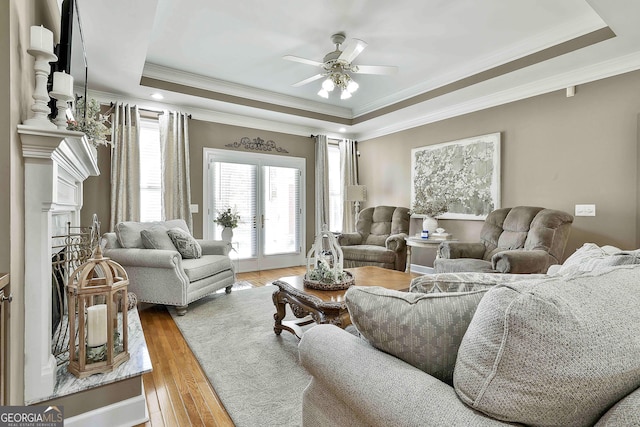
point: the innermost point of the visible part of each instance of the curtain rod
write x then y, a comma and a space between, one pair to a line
151, 110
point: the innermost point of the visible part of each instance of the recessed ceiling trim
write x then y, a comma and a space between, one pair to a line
602, 70
217, 96
215, 85
568, 46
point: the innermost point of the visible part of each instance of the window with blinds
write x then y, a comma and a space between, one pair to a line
235, 187
268, 193
150, 171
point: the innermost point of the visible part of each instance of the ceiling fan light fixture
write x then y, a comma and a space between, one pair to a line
323, 93
345, 94
352, 86
327, 86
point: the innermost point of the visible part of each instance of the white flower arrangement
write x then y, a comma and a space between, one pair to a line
93, 123
325, 274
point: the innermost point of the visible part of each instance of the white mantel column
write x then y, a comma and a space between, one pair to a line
39, 364
46, 153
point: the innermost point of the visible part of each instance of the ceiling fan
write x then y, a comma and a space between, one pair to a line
337, 65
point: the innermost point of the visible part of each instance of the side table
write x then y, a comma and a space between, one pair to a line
419, 242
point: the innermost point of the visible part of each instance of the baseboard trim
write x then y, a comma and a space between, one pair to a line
421, 269
126, 413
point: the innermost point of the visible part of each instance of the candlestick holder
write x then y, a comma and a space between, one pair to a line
40, 97
62, 103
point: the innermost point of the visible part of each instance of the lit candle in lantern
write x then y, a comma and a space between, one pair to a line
41, 39
63, 83
96, 325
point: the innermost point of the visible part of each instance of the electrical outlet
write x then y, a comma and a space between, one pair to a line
585, 210
195, 208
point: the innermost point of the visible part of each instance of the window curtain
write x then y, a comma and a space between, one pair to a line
176, 186
348, 176
125, 164
322, 183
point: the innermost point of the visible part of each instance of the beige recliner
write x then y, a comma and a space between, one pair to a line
523, 239
379, 239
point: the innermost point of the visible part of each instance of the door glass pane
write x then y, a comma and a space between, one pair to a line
235, 187
281, 210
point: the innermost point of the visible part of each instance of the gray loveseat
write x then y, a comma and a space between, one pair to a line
158, 271
561, 349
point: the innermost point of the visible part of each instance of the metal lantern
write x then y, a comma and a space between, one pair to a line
97, 301
327, 260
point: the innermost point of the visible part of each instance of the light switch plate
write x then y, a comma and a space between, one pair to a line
585, 210
195, 208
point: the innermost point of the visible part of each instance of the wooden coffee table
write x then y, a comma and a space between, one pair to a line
327, 306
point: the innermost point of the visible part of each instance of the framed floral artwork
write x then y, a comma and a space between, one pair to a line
463, 175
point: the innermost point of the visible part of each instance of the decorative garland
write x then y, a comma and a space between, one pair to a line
256, 144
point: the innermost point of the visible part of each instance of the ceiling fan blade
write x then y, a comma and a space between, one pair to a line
309, 80
376, 69
302, 60
353, 49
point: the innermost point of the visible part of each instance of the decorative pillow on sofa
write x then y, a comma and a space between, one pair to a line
591, 257
464, 282
556, 352
157, 237
128, 232
424, 330
185, 243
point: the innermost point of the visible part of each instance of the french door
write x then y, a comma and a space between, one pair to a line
267, 191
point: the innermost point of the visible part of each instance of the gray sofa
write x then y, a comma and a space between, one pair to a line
158, 271
561, 349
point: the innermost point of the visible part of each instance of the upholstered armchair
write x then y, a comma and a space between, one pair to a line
523, 239
379, 239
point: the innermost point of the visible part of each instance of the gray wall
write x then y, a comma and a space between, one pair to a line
214, 135
556, 152
202, 135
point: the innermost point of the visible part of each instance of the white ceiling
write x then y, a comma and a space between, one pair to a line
234, 51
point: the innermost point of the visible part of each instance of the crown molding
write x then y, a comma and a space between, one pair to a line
602, 70
171, 75
514, 52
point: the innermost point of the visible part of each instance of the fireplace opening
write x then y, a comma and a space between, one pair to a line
70, 250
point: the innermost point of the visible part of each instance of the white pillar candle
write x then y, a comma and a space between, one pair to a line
63, 83
96, 325
41, 39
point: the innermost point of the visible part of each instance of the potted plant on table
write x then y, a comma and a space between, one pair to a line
228, 219
431, 208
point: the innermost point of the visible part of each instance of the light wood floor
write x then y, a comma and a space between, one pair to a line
177, 390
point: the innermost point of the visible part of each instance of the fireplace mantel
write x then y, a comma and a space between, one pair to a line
56, 162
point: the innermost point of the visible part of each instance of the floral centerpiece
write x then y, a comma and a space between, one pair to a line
325, 274
431, 207
324, 264
91, 122
227, 218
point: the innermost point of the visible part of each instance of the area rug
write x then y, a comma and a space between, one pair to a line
255, 373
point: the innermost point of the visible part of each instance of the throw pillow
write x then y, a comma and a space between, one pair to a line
128, 232
156, 237
424, 330
591, 257
554, 352
185, 243
463, 282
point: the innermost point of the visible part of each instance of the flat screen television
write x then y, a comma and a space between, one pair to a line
71, 53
